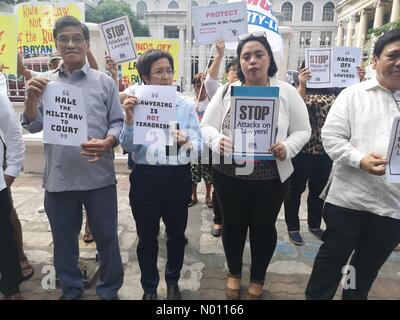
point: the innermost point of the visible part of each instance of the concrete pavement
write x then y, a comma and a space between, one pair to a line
204, 273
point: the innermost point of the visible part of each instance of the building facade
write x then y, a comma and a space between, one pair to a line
313, 24
355, 17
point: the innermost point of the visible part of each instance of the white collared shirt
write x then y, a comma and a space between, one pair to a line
3, 83
10, 132
359, 122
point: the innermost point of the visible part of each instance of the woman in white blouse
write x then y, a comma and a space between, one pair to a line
253, 201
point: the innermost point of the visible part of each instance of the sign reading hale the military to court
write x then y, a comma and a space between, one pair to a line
393, 155
119, 39
254, 118
154, 114
64, 115
215, 22
333, 67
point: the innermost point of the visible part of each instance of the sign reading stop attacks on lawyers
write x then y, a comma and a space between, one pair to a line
118, 36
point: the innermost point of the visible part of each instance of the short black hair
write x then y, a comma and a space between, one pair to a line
385, 39
231, 63
67, 21
272, 70
146, 60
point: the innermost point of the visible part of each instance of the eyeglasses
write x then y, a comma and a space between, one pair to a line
257, 34
64, 40
160, 73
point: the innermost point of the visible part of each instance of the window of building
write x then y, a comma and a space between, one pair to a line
287, 11
305, 38
173, 5
213, 2
328, 12
325, 38
171, 32
307, 12
141, 10
195, 4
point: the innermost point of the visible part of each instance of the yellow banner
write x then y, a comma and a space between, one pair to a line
8, 44
36, 22
129, 72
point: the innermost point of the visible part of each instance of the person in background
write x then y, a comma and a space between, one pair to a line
11, 136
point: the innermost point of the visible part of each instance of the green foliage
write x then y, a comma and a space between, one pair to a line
377, 32
111, 9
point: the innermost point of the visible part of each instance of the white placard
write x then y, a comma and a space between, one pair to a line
119, 39
64, 115
319, 63
212, 23
254, 117
344, 64
332, 67
154, 114
393, 155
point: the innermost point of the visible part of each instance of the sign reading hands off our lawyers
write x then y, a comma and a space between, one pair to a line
393, 155
64, 115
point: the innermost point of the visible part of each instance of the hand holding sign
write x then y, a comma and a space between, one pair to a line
97, 147
225, 145
279, 151
180, 136
34, 90
129, 104
374, 163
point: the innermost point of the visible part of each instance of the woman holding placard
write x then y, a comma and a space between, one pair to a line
160, 189
253, 201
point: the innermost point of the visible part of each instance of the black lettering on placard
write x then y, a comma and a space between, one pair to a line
253, 112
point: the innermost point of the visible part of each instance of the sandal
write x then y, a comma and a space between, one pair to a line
27, 269
88, 237
209, 203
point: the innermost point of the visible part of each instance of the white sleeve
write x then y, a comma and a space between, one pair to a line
336, 134
211, 123
12, 136
299, 130
211, 85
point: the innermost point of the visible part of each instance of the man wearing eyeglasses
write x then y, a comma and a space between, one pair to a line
81, 176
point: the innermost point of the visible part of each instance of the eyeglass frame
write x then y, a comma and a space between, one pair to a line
66, 40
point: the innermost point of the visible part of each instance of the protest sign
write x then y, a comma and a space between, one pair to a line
254, 118
64, 115
393, 155
118, 36
212, 23
332, 67
36, 21
344, 65
319, 63
154, 114
129, 72
8, 43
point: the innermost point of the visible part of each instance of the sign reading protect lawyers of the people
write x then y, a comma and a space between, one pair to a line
8, 43
393, 155
332, 67
254, 118
154, 114
129, 72
119, 39
215, 22
64, 115
36, 21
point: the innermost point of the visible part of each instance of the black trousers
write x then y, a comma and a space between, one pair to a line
314, 169
371, 237
10, 270
160, 192
253, 206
